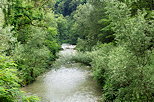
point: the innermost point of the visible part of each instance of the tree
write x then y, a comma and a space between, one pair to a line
35, 31
66, 7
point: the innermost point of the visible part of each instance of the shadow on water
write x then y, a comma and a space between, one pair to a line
67, 83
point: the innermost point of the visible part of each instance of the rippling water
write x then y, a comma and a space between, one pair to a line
68, 83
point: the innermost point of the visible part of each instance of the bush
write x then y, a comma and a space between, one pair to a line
100, 61
126, 81
33, 57
81, 57
121, 63
84, 45
7, 41
9, 87
129, 65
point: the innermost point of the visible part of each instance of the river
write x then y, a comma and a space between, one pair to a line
70, 82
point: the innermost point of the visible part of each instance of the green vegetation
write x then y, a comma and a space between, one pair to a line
9, 83
66, 7
28, 45
114, 37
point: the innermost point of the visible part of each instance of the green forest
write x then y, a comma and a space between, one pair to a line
114, 37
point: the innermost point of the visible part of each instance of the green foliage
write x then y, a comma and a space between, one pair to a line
9, 81
100, 61
121, 64
32, 57
9, 87
135, 5
31, 41
66, 7
84, 58
62, 24
124, 68
83, 45
127, 78
31, 99
7, 41
114, 37
92, 24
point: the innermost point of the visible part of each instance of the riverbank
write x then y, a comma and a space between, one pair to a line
69, 82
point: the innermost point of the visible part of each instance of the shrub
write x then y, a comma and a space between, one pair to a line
100, 61
9, 87
33, 57
84, 45
126, 81
81, 57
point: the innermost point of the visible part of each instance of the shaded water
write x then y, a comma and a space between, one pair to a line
68, 83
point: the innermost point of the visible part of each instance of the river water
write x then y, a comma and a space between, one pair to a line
70, 82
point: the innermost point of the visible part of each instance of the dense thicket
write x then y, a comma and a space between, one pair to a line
9, 83
28, 36
116, 38
92, 23
34, 27
66, 7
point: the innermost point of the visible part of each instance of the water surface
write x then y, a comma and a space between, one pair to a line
67, 83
